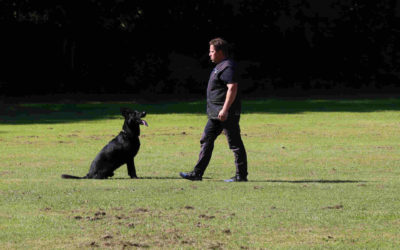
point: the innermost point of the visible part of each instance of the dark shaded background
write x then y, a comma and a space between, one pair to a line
151, 48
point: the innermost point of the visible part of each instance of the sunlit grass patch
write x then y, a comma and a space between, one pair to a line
322, 174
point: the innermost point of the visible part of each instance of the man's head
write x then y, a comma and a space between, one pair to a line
218, 50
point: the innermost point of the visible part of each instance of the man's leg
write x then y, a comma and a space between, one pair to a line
232, 131
211, 131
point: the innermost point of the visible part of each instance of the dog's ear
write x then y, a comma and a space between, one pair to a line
125, 111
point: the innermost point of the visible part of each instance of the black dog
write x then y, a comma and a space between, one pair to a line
122, 149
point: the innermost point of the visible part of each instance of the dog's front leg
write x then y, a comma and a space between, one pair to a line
132, 169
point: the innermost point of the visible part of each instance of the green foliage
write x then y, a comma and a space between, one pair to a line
322, 174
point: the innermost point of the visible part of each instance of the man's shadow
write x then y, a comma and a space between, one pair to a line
270, 181
149, 178
310, 181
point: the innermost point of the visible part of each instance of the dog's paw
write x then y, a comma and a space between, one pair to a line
134, 177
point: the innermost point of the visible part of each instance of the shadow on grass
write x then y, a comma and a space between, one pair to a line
311, 181
149, 178
155, 178
251, 181
49, 113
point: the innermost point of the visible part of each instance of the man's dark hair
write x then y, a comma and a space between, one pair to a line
221, 44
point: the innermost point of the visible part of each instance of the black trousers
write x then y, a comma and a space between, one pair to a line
212, 130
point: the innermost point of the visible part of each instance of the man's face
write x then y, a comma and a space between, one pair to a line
216, 56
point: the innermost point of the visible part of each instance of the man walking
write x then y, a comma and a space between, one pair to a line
223, 110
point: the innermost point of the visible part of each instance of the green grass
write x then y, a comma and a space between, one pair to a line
322, 174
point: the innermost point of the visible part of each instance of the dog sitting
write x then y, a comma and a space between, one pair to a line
121, 150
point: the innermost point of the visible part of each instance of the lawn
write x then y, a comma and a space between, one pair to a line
323, 174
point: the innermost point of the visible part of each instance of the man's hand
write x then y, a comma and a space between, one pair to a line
230, 97
223, 115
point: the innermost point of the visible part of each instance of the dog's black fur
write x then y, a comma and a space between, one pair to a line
121, 150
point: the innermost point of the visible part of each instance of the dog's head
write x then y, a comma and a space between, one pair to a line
133, 119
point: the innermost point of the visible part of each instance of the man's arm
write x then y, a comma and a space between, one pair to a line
230, 98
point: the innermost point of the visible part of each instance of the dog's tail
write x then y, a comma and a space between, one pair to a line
66, 176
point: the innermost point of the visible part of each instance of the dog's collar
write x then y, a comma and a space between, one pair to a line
129, 135
124, 132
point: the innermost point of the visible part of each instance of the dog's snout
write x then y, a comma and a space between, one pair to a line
143, 114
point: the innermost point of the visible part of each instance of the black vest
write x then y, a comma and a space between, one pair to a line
217, 89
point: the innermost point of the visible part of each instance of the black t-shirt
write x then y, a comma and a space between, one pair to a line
221, 75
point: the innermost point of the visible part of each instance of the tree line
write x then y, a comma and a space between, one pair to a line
161, 47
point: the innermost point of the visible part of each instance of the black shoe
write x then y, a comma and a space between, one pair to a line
191, 176
236, 178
